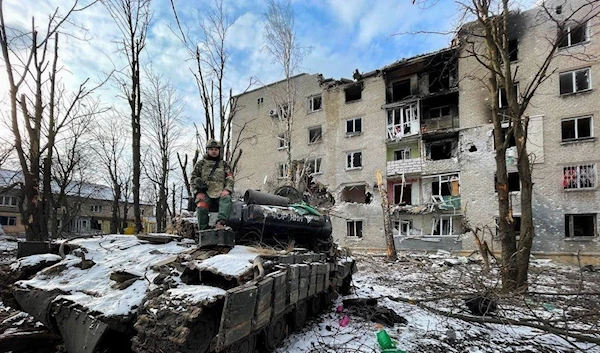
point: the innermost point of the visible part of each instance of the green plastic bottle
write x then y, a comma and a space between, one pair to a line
384, 340
386, 343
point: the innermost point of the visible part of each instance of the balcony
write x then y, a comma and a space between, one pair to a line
404, 166
440, 166
440, 123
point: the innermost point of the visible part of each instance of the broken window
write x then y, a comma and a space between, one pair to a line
439, 150
96, 208
403, 194
354, 193
513, 49
353, 126
400, 90
446, 185
403, 121
8, 221
579, 177
260, 100
354, 92
441, 226
402, 154
354, 160
315, 103
403, 227
315, 135
354, 229
282, 141
580, 225
439, 81
576, 128
282, 170
514, 184
573, 34
313, 166
439, 112
575, 81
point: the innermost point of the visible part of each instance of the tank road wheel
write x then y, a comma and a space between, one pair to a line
298, 316
245, 345
274, 334
200, 335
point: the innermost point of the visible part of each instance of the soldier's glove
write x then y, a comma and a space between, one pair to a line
203, 188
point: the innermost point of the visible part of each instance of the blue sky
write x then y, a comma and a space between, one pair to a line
344, 35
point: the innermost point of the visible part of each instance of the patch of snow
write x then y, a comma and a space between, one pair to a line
238, 261
33, 260
197, 294
92, 288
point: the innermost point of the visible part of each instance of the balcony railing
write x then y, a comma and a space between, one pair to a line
404, 166
441, 123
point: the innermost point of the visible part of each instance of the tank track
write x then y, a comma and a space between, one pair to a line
167, 325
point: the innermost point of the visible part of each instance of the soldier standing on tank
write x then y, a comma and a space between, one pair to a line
213, 182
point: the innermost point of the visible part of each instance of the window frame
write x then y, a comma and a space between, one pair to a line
282, 170
402, 119
568, 177
401, 224
354, 132
11, 221
320, 128
566, 34
311, 103
96, 208
573, 81
12, 201
406, 151
358, 233
576, 128
440, 226
570, 226
314, 163
351, 156
282, 141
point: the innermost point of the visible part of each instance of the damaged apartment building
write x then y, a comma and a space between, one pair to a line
425, 123
422, 150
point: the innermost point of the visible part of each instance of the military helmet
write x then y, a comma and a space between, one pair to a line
212, 143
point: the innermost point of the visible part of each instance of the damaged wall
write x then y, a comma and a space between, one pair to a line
550, 154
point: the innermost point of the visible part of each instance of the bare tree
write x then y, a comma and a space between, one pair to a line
210, 58
110, 140
132, 18
71, 163
486, 40
163, 113
282, 45
35, 90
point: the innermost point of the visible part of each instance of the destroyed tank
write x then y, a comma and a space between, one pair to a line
229, 290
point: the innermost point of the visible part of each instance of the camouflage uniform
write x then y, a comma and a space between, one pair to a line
210, 180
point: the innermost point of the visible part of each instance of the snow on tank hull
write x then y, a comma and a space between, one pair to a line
117, 293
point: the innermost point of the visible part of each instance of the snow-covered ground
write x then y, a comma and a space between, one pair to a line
428, 290
441, 282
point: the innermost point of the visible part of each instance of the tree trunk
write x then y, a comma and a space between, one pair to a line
114, 214
527, 228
